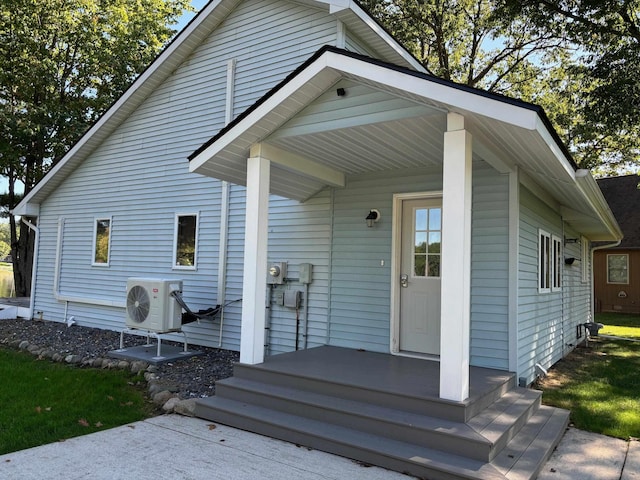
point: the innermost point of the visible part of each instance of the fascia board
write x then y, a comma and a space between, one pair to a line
554, 147
592, 193
385, 36
453, 99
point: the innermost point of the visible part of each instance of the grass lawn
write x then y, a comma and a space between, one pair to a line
43, 402
600, 384
620, 324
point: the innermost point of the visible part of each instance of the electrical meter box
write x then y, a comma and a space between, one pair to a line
276, 273
306, 271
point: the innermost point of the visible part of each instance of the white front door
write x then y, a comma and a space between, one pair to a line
419, 280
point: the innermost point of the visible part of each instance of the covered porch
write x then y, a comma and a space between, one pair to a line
386, 410
339, 117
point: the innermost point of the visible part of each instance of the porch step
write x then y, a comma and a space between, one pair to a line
385, 410
372, 392
480, 440
348, 442
521, 459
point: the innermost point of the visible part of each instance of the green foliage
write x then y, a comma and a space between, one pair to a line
580, 60
62, 63
464, 41
44, 402
604, 68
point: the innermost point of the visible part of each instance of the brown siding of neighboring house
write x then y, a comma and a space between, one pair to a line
616, 297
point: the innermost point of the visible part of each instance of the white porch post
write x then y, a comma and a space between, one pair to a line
456, 261
255, 261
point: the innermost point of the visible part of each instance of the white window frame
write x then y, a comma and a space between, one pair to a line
585, 260
96, 220
557, 261
626, 255
176, 222
545, 273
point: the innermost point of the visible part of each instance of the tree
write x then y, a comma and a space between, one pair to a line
62, 63
606, 69
464, 41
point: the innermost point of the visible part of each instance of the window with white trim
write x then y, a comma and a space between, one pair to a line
101, 241
618, 268
585, 259
544, 261
556, 264
185, 241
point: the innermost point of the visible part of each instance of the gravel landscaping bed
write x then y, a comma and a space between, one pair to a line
169, 384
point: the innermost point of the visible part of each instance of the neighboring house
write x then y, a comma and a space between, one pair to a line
616, 268
300, 119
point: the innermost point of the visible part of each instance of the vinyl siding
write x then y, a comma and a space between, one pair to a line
490, 269
540, 315
360, 285
139, 176
576, 293
300, 233
354, 44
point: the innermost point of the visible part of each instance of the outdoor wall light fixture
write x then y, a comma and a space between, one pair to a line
341, 92
373, 217
569, 260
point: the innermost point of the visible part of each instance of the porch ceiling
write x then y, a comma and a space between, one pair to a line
388, 119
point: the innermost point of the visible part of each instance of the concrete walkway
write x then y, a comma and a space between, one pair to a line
183, 448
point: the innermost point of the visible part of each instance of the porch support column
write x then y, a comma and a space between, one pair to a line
456, 261
252, 336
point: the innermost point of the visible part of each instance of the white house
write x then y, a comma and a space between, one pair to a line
266, 133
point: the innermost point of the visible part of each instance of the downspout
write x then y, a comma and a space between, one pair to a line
592, 279
224, 204
34, 267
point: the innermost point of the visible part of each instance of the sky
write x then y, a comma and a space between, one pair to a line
196, 4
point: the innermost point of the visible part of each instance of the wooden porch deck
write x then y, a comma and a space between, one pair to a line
385, 410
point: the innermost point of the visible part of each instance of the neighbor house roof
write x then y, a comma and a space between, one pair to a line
623, 196
352, 15
507, 133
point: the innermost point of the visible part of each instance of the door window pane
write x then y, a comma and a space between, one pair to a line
428, 237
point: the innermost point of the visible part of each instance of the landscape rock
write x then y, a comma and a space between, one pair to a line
162, 397
186, 407
194, 377
170, 404
74, 359
138, 366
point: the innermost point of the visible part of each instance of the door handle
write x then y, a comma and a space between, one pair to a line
404, 280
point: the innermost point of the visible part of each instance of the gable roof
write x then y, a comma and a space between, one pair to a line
623, 196
172, 56
507, 133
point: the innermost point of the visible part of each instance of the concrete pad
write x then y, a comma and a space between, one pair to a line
149, 353
631, 469
180, 448
586, 456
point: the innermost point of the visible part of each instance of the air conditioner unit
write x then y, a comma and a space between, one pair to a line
150, 305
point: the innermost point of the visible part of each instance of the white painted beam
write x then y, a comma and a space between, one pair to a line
294, 162
254, 282
456, 261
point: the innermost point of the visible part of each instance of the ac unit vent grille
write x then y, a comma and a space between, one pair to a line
138, 303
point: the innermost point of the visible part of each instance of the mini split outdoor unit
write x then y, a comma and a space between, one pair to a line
150, 305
